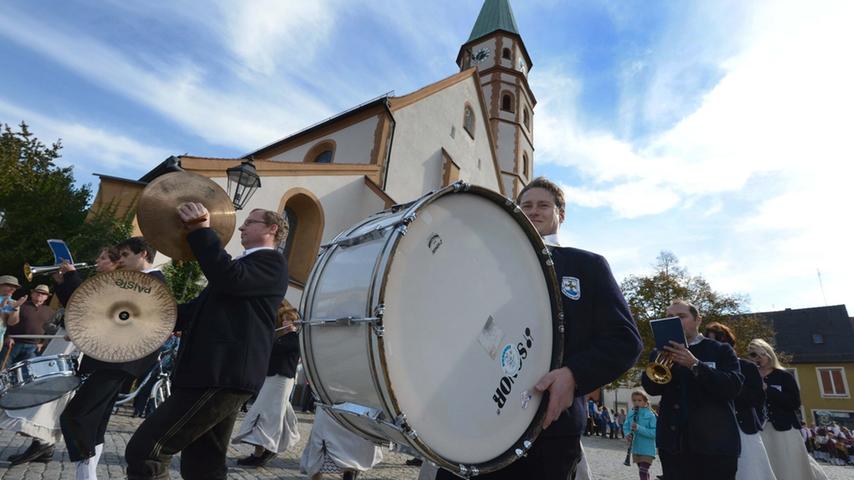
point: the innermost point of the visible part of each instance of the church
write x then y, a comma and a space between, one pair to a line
476, 125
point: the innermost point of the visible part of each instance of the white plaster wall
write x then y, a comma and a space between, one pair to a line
353, 144
424, 128
506, 144
345, 199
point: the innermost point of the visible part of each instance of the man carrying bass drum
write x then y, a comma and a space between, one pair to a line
601, 343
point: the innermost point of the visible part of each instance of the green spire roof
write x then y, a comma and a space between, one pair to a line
495, 15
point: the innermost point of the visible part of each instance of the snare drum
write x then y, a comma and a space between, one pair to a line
38, 380
428, 325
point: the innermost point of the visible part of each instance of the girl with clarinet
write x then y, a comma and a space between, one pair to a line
639, 429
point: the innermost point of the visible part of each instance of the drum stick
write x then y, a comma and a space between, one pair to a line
36, 337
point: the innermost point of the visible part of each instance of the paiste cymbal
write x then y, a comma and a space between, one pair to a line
120, 316
157, 212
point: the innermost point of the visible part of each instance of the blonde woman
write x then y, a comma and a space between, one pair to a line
271, 424
782, 438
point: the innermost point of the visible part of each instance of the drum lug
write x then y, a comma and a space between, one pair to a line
404, 428
468, 472
521, 452
461, 186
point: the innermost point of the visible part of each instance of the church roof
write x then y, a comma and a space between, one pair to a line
494, 15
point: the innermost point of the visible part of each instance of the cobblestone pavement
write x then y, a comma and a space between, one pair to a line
605, 458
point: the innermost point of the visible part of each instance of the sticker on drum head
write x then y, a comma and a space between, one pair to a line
490, 337
510, 361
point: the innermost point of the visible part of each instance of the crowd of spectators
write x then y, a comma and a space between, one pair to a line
833, 444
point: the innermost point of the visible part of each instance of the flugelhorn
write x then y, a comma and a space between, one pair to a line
660, 369
30, 271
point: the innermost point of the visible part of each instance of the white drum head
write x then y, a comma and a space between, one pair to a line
468, 328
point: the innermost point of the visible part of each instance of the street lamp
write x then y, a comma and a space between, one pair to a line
245, 180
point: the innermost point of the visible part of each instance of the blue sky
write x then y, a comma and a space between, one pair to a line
717, 130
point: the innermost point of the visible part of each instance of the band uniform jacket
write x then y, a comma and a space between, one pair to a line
138, 368
601, 339
227, 331
696, 411
750, 402
285, 356
783, 398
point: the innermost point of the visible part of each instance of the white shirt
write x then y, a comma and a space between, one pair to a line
251, 251
152, 269
552, 240
699, 338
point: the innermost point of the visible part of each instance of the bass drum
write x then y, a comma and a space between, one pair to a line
429, 324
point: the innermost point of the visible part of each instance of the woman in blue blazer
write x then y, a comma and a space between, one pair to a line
639, 430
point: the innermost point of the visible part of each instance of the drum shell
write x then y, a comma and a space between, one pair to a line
36, 374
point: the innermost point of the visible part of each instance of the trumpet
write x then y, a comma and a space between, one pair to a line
659, 370
30, 271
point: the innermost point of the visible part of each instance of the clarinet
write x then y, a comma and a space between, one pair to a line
627, 462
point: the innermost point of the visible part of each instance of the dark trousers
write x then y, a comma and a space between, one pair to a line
693, 466
85, 418
194, 421
20, 351
551, 458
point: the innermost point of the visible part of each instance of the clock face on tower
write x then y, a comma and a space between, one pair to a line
481, 55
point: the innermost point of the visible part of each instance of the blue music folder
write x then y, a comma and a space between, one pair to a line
60, 251
666, 329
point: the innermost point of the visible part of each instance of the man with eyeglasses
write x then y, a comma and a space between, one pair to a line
602, 342
227, 338
697, 432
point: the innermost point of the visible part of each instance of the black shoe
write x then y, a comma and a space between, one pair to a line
414, 462
36, 452
253, 461
350, 475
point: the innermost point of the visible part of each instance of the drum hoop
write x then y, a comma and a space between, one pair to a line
528, 437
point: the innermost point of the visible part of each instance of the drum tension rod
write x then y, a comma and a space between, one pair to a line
339, 322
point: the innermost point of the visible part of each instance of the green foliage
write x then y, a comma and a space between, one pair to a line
184, 278
41, 201
649, 296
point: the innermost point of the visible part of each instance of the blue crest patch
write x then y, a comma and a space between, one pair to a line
571, 287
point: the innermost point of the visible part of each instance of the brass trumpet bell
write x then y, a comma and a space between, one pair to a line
660, 369
30, 270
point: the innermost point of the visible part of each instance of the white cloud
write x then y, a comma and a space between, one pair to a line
87, 147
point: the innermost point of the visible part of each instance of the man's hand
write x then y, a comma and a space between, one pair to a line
561, 386
10, 342
20, 301
680, 354
194, 215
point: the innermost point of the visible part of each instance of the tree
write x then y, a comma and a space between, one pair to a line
40, 201
649, 296
184, 278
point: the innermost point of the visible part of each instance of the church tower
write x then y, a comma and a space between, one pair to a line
496, 49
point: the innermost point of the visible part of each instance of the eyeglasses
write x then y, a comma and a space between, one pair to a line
754, 354
249, 221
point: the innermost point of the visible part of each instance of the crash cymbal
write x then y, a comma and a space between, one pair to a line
158, 216
120, 316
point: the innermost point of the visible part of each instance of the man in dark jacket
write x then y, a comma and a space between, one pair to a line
601, 343
227, 336
697, 433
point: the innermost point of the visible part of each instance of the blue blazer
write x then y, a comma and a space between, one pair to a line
644, 438
601, 340
750, 402
696, 413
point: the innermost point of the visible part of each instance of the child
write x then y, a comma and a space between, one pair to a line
639, 429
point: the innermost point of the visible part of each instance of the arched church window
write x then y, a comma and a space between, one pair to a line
507, 102
526, 169
506, 54
322, 152
286, 246
526, 119
305, 229
468, 120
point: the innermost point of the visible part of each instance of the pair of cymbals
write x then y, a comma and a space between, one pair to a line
158, 216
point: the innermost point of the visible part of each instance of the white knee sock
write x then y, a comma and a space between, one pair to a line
87, 469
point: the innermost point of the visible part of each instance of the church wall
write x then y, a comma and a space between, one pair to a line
353, 144
424, 128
